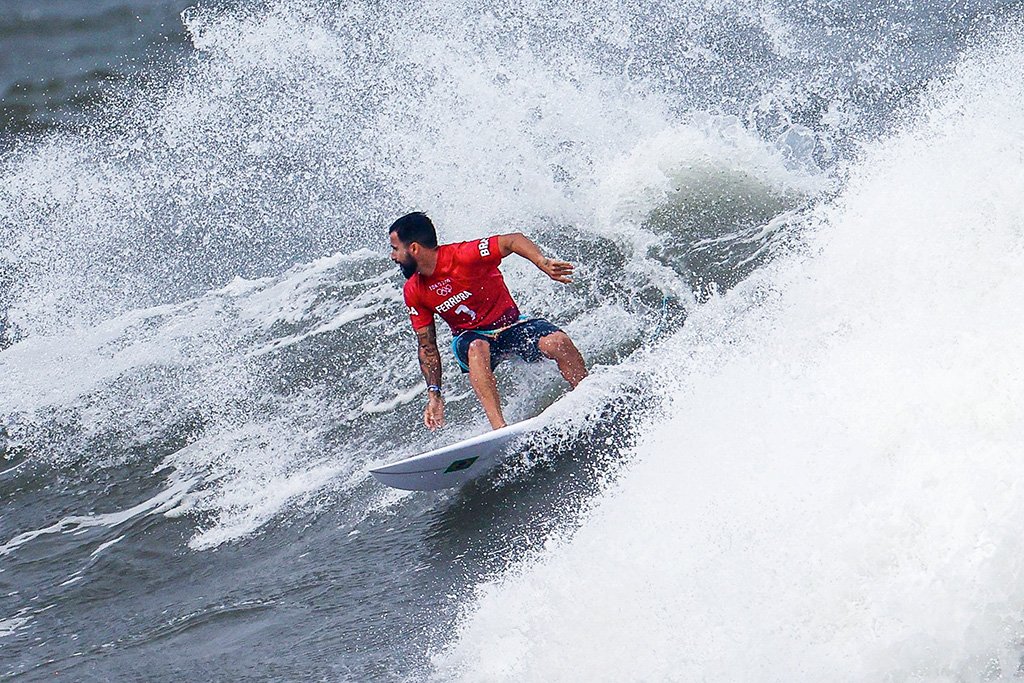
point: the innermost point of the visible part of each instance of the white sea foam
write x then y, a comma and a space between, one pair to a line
294, 133
12, 625
837, 493
278, 106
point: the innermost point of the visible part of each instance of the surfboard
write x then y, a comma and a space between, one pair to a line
456, 464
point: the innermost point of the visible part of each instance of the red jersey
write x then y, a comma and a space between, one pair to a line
466, 289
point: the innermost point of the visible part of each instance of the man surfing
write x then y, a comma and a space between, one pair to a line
461, 283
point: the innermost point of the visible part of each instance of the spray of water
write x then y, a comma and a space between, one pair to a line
836, 493
174, 308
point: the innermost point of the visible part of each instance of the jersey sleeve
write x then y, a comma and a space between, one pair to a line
479, 254
419, 315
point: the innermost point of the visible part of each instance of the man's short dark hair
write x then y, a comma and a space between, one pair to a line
415, 227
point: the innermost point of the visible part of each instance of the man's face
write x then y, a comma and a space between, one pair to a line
400, 255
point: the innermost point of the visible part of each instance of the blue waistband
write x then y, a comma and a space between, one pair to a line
497, 330
490, 334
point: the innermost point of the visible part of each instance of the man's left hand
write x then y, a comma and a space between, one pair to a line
559, 271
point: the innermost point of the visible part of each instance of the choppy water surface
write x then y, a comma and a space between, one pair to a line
798, 233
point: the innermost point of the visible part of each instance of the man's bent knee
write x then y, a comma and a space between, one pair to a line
554, 344
478, 347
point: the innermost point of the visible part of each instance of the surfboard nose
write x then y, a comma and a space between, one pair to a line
456, 464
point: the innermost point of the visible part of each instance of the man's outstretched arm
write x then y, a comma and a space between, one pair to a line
430, 366
518, 243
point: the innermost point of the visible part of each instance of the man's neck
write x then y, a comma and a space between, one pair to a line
427, 263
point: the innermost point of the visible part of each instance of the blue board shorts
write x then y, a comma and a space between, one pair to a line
517, 339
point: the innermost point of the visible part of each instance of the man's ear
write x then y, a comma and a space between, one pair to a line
413, 249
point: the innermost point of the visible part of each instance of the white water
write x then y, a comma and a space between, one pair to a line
213, 359
108, 224
831, 491
836, 493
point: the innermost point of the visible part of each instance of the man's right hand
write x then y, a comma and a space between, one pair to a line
433, 415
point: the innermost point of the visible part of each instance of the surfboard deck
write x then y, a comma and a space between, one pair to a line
454, 465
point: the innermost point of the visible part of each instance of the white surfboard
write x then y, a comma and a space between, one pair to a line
455, 464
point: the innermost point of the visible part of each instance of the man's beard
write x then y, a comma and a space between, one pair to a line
408, 269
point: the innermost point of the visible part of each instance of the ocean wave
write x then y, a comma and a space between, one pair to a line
835, 488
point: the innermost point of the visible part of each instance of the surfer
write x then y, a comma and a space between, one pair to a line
462, 284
